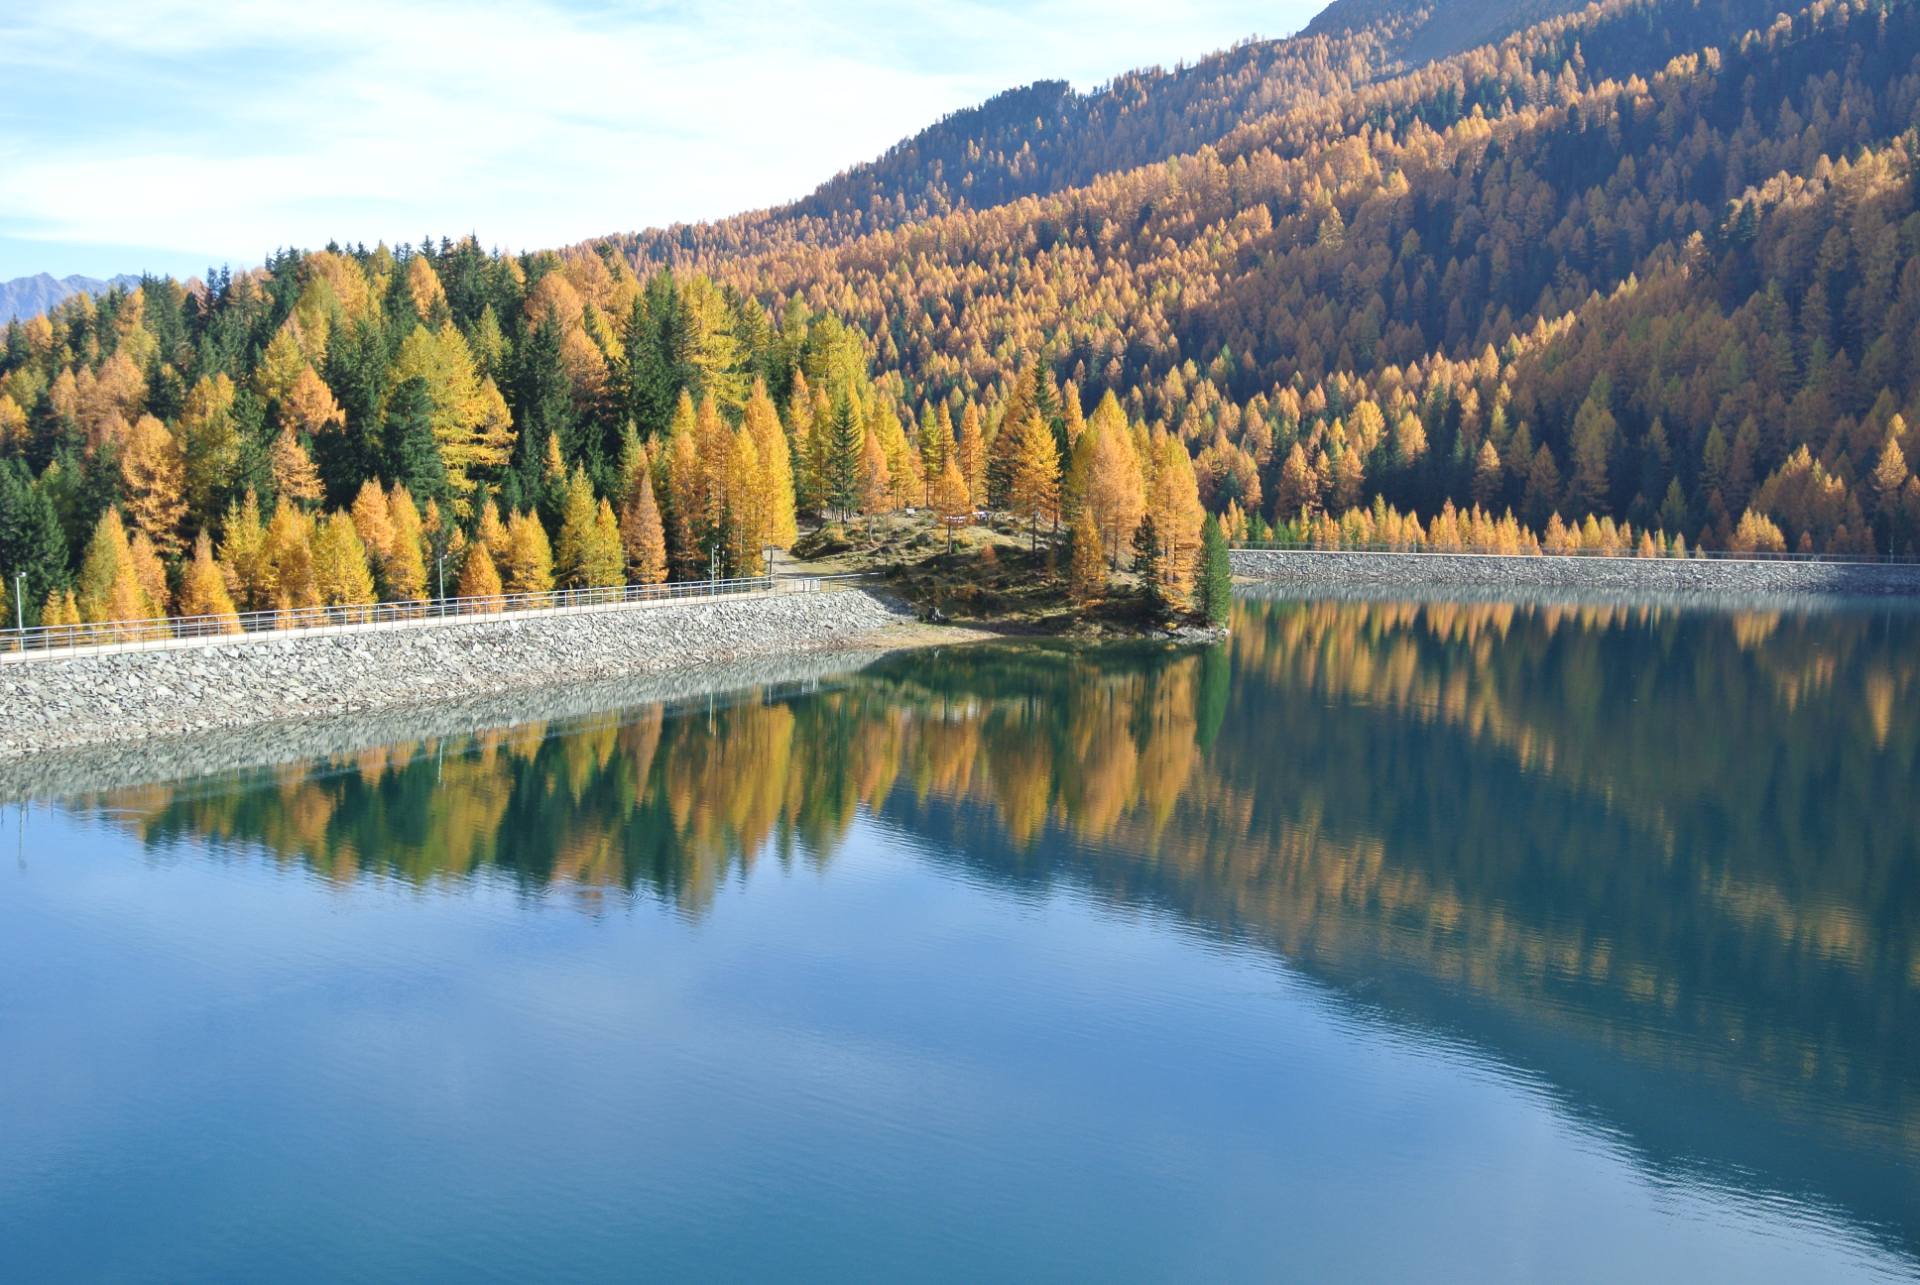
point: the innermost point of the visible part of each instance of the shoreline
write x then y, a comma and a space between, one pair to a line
124, 706
123, 701
74, 771
1319, 570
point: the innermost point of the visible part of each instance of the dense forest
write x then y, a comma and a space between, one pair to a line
1641, 278
1652, 261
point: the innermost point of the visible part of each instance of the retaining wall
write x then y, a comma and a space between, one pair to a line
1313, 569
88, 770
116, 698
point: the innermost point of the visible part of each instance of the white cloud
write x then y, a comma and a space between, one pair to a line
226, 130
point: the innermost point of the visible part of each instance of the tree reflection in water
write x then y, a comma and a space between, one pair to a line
1667, 857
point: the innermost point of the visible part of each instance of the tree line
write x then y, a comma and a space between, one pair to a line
342, 427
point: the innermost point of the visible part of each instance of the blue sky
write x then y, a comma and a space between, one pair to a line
165, 135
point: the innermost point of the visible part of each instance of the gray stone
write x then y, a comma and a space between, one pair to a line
51, 703
1314, 569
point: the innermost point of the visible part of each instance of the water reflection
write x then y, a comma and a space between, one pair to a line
1669, 861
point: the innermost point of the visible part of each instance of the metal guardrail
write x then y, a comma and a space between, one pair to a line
19, 644
1705, 555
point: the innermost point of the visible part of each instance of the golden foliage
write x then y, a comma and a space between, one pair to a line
154, 469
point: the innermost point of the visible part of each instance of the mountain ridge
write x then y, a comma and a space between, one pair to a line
1040, 138
32, 295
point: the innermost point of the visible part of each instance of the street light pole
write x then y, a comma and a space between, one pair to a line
19, 601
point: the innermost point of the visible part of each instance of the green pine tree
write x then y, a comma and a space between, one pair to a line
31, 541
1216, 574
845, 442
1146, 558
652, 378
411, 457
357, 375
543, 407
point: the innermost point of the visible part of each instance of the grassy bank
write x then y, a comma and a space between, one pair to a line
994, 576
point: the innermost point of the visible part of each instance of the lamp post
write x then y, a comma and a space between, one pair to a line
19, 602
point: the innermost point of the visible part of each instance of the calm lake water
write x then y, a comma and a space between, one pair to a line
1388, 942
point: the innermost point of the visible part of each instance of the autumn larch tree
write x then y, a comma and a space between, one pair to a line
373, 521
152, 575
644, 537
154, 469
973, 456
341, 573
573, 550
1087, 572
530, 561
1116, 490
1173, 498
606, 556
288, 555
686, 496
404, 567
1890, 478
803, 437
480, 580
952, 506
876, 480
1487, 481
775, 480
60, 609
295, 479
109, 587
1033, 490
203, 590
243, 555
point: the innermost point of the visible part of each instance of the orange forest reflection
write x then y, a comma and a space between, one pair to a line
1683, 841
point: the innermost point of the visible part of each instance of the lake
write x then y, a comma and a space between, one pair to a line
1389, 941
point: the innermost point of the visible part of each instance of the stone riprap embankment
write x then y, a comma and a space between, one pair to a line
1313, 569
88, 770
111, 699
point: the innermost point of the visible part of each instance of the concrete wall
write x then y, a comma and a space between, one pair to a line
1308, 569
65, 702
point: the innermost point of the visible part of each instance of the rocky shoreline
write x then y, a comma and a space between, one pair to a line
122, 698
1310, 569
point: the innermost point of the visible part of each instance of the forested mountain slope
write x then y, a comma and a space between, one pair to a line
1436, 28
1441, 245
1044, 137
1652, 264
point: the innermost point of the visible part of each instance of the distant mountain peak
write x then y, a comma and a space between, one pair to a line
30, 296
